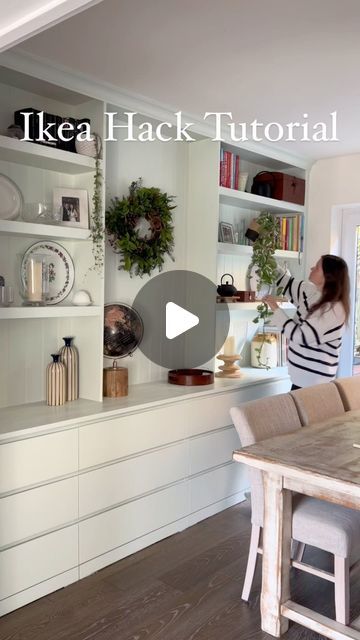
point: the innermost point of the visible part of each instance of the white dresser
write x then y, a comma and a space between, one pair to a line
84, 485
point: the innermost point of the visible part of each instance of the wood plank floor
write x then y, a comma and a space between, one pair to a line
186, 587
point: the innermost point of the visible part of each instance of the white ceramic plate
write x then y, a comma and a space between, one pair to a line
11, 200
61, 269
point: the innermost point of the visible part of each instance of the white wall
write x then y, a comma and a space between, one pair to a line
162, 165
334, 181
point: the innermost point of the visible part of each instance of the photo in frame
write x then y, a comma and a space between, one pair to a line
226, 232
71, 207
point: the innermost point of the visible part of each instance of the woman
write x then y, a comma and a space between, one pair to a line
315, 333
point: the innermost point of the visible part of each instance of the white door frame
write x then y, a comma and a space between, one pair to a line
345, 220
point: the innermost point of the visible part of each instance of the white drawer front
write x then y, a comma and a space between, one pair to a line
127, 435
124, 436
216, 485
209, 413
212, 449
110, 485
116, 527
32, 562
35, 511
28, 462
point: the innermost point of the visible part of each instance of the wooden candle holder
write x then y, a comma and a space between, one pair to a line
229, 369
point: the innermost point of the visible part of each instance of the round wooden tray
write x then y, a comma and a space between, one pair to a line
191, 377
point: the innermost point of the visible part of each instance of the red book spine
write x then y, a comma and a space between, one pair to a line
237, 172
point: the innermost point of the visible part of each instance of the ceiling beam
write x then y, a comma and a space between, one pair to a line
38, 17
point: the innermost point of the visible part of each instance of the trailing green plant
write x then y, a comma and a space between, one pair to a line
96, 220
263, 259
141, 251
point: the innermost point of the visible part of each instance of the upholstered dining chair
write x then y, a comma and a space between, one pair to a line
317, 403
349, 389
329, 527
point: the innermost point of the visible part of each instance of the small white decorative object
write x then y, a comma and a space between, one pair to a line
90, 148
81, 298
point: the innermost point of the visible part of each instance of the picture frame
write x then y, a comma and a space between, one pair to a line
71, 207
226, 232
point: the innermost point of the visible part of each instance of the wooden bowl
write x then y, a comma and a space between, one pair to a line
191, 377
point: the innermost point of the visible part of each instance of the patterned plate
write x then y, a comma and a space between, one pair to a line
61, 269
123, 330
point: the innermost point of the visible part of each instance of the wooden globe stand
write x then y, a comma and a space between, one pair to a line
229, 369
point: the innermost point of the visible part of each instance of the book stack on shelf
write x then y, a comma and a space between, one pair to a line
229, 170
281, 344
291, 232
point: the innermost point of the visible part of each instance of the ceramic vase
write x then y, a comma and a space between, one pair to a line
268, 353
55, 382
69, 356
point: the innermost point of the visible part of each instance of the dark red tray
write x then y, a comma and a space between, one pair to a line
191, 377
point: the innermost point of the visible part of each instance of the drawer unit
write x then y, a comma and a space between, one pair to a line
33, 562
32, 461
24, 515
120, 437
125, 480
212, 449
118, 526
216, 485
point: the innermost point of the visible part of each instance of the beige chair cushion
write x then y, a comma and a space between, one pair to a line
327, 526
255, 421
317, 523
349, 389
318, 403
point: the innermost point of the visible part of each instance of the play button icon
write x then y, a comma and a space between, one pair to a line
183, 325
178, 320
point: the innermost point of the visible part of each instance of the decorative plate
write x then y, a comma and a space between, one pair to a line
11, 200
61, 269
123, 330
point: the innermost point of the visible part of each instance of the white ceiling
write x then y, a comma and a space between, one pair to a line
267, 59
21, 19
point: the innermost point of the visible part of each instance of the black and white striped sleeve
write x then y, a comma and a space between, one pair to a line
319, 328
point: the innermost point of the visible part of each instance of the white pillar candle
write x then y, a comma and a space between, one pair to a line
229, 346
34, 280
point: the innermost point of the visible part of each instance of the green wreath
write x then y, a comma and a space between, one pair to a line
139, 227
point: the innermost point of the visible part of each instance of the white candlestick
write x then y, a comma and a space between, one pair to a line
34, 280
229, 346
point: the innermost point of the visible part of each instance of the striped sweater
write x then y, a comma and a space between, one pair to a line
313, 342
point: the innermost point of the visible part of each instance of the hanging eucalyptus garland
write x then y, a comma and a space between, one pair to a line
140, 228
96, 220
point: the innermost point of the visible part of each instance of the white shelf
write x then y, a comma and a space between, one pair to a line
42, 157
257, 203
239, 306
248, 306
55, 311
228, 249
35, 230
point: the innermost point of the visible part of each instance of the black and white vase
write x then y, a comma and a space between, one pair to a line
55, 382
69, 356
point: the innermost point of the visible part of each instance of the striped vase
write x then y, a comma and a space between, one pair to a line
55, 382
69, 356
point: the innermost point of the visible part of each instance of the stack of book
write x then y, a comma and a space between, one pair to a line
291, 232
229, 169
281, 343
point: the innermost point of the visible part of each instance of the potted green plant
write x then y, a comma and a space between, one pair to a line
264, 265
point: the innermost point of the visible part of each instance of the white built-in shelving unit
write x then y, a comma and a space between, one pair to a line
210, 204
28, 335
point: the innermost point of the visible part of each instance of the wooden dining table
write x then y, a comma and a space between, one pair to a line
321, 461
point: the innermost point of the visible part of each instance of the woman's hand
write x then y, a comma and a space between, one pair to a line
270, 300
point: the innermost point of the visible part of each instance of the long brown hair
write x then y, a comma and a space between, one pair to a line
336, 286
